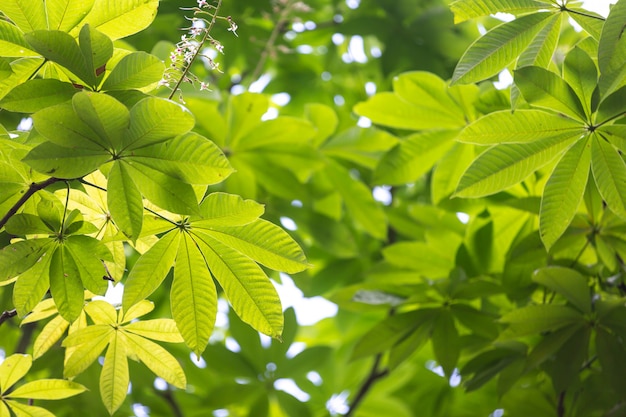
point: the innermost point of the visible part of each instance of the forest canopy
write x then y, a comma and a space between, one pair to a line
448, 174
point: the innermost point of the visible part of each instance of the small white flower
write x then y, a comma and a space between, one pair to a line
164, 82
203, 3
204, 86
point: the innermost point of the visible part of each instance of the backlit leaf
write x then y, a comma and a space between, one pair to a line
12, 369
468, 9
612, 50
568, 283
160, 361
120, 18
48, 389
65, 14
107, 117
26, 15
124, 201
609, 172
563, 192
37, 94
66, 286
114, 377
61, 162
135, 70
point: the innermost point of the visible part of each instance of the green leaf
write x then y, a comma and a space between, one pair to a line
104, 115
421, 101
26, 15
541, 50
445, 340
89, 254
62, 126
543, 88
505, 165
263, 242
325, 120
65, 14
155, 120
27, 224
114, 377
563, 192
97, 49
61, 162
449, 170
12, 369
94, 339
609, 172
12, 42
612, 50
61, 48
49, 336
137, 310
160, 361
523, 126
163, 190
150, 269
469, 9
37, 94
135, 70
391, 331
243, 114
66, 286
101, 312
610, 349
193, 296
591, 22
359, 202
164, 330
248, 289
124, 201
221, 209
362, 146
23, 410
432, 262
20, 256
413, 157
567, 282
48, 389
32, 285
613, 106
580, 72
190, 158
491, 53
535, 319
120, 18
550, 344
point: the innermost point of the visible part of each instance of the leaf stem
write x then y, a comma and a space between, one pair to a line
67, 201
565, 9
32, 189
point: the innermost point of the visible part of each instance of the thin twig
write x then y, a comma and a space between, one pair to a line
7, 315
560, 408
171, 401
269, 45
32, 189
374, 375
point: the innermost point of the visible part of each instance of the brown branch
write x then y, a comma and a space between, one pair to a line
375, 374
7, 315
560, 408
34, 187
171, 401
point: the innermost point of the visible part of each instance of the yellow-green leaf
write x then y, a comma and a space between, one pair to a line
114, 376
65, 14
120, 18
248, 289
164, 330
101, 312
157, 359
26, 14
609, 172
137, 310
48, 389
23, 410
12, 369
221, 209
50, 334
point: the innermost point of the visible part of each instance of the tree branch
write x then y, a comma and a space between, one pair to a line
7, 315
34, 187
374, 375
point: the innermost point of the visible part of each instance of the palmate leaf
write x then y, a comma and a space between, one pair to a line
48, 389
420, 101
613, 106
491, 53
413, 157
541, 49
150, 270
563, 192
221, 209
13, 43
135, 70
248, 289
106, 116
567, 282
612, 51
32, 285
120, 18
190, 158
124, 341
97, 49
37, 94
609, 172
65, 14
468, 9
124, 201
445, 341
13, 369
26, 15
66, 286
520, 127
20, 256
193, 296
580, 72
263, 242
505, 165
543, 88
61, 162
535, 319
61, 125
591, 22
